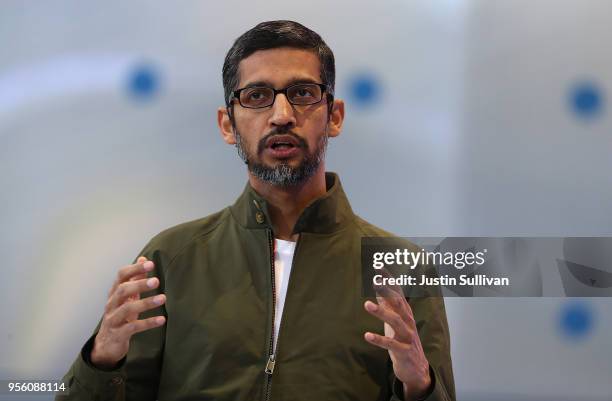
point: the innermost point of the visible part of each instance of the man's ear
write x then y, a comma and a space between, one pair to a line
336, 118
226, 126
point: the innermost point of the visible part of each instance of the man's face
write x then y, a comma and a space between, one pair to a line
282, 144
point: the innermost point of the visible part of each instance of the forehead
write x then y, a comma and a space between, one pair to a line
279, 67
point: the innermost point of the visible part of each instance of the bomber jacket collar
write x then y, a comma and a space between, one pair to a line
326, 214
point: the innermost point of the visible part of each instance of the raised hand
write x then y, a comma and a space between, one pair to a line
120, 319
401, 339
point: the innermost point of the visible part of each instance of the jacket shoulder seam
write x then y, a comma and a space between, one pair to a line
198, 236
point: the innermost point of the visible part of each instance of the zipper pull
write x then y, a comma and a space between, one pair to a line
270, 365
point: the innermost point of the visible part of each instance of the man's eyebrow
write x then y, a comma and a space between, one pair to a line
257, 83
302, 81
292, 81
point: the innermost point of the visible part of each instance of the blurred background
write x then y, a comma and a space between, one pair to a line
464, 118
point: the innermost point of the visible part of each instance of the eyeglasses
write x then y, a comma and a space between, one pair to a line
257, 97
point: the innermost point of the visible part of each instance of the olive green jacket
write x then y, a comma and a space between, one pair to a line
217, 274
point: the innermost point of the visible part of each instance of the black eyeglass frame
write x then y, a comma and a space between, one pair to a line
324, 90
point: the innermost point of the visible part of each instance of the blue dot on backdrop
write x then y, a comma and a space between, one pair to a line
586, 100
576, 319
143, 81
364, 89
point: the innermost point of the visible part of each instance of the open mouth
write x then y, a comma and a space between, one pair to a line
282, 142
281, 145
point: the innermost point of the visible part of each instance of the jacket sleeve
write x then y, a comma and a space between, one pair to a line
137, 376
430, 315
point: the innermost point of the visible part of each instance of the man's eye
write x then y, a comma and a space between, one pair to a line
256, 95
303, 92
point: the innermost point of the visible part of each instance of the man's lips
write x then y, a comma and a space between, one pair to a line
282, 142
282, 146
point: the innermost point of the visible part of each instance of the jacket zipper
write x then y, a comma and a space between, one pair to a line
271, 357
272, 352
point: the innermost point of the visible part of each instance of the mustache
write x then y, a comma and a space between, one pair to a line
261, 146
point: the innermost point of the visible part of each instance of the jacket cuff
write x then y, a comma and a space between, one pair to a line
435, 392
101, 383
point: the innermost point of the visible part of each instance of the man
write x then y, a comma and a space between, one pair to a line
263, 300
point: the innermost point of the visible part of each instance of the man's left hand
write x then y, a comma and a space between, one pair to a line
402, 341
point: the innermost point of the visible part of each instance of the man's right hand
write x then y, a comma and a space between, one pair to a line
120, 319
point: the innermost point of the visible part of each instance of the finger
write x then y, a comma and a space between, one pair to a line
387, 293
122, 313
142, 266
395, 288
387, 296
390, 293
394, 296
141, 259
138, 326
408, 314
402, 330
401, 307
385, 342
128, 289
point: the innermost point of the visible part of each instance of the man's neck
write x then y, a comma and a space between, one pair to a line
285, 204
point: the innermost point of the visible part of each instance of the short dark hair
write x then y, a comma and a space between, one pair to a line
271, 35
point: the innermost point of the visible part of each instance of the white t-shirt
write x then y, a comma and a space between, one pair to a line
283, 257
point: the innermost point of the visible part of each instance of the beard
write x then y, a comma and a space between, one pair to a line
282, 174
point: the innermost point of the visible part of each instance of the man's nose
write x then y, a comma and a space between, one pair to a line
282, 111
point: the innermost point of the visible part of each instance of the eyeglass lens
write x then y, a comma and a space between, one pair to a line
302, 94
